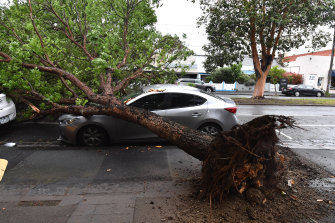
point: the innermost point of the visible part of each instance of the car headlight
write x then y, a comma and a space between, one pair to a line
69, 121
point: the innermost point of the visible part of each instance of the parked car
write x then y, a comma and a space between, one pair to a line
302, 89
186, 105
197, 83
7, 109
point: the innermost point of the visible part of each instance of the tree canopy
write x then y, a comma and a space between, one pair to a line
261, 29
227, 74
276, 73
57, 50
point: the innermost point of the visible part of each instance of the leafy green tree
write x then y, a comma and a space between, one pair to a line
243, 78
223, 74
261, 29
275, 74
227, 74
55, 48
78, 56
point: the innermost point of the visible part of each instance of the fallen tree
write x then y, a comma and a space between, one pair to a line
56, 62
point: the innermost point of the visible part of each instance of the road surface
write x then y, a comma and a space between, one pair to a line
315, 139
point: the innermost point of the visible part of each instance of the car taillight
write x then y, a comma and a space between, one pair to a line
289, 88
232, 109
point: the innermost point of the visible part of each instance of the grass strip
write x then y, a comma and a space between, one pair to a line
273, 101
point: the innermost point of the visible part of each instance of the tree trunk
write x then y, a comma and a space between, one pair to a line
261, 74
259, 87
193, 142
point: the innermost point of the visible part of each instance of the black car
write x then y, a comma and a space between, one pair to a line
302, 89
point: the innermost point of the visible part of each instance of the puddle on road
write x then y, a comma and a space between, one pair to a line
326, 184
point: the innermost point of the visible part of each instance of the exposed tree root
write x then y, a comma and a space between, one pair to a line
244, 157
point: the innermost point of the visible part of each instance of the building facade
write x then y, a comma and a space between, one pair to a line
313, 66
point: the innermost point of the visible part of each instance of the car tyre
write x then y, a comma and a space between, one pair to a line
208, 90
210, 128
319, 94
92, 135
297, 93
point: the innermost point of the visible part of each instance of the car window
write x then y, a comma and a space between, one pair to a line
151, 102
301, 86
132, 95
309, 87
180, 100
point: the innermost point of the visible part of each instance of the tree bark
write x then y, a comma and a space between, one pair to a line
259, 87
262, 74
193, 142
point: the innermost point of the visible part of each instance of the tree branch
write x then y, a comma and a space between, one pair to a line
125, 81
254, 45
74, 80
7, 57
39, 35
69, 34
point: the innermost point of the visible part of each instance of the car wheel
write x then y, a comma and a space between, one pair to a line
297, 93
318, 94
92, 136
208, 90
210, 128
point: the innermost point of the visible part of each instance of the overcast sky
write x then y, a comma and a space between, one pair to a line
180, 17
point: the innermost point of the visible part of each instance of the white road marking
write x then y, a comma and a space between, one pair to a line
316, 125
280, 133
307, 147
295, 115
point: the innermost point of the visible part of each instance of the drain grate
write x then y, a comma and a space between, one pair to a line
39, 203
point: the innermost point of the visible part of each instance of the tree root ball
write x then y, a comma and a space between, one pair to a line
244, 157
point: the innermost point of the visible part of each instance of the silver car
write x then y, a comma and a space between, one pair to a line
186, 105
7, 109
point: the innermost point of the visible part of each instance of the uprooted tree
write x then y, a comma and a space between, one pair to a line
78, 57
260, 29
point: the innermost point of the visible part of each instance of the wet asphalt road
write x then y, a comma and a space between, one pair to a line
119, 182
315, 139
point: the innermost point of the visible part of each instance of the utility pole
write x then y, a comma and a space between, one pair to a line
331, 64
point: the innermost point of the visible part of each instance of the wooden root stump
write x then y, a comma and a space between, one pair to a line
243, 158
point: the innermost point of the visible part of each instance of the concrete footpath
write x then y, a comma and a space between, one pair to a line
134, 184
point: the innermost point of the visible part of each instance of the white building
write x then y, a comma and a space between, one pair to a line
313, 66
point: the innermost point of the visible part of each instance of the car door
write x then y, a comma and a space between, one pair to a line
130, 131
306, 90
186, 109
310, 90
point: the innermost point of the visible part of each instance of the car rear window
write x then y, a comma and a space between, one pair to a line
181, 100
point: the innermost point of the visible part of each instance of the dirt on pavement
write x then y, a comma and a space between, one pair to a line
292, 201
